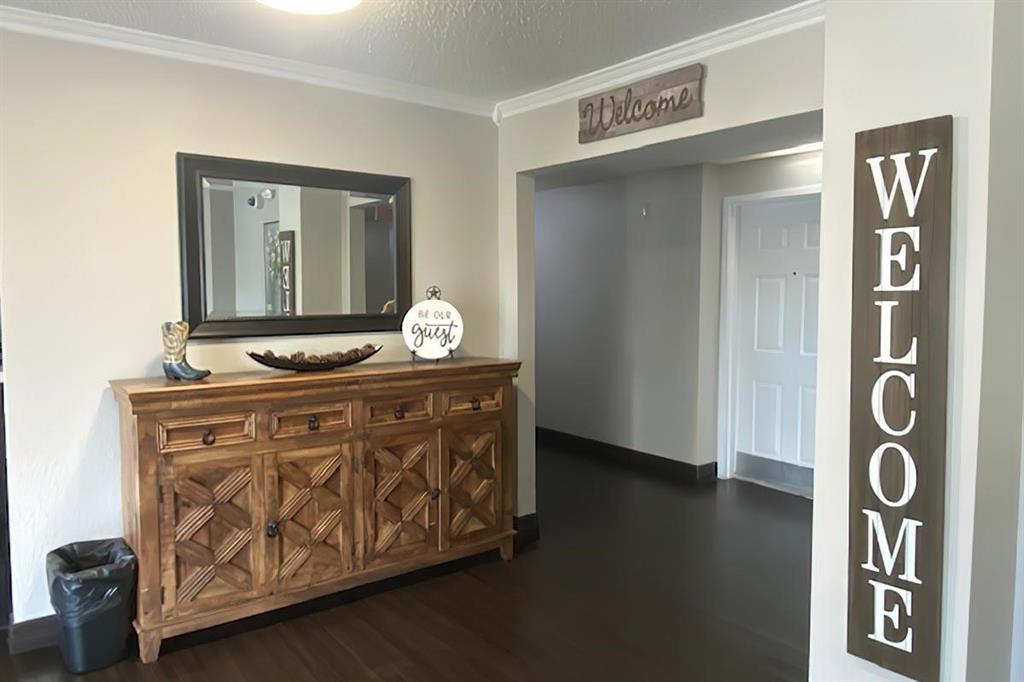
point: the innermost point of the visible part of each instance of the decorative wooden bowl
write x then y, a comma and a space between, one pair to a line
300, 362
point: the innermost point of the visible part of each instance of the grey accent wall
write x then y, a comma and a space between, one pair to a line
324, 225
355, 265
250, 260
221, 270
380, 264
582, 369
617, 307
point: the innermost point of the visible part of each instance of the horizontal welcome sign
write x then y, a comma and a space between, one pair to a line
901, 236
656, 101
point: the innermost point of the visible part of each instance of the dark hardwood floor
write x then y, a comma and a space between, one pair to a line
634, 578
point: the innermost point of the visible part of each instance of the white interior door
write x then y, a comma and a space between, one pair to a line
776, 327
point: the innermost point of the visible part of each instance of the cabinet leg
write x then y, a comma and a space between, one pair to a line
506, 549
149, 646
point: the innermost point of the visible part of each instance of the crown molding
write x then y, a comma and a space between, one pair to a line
92, 33
667, 58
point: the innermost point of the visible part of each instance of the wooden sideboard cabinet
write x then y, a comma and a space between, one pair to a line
244, 493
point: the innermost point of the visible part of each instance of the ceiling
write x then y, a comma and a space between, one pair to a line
721, 146
490, 50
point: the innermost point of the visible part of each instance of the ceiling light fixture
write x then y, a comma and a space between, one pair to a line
311, 6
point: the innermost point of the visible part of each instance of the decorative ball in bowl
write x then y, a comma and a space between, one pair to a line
312, 362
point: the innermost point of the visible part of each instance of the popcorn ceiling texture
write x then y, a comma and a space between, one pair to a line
491, 49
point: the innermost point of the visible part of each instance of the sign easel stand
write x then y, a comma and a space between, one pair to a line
416, 358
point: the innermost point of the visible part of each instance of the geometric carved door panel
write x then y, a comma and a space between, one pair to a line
471, 461
211, 511
400, 481
309, 512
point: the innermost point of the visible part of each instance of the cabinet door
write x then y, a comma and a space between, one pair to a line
210, 525
309, 527
400, 478
471, 467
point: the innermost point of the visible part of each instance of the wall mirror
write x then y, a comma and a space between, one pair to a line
274, 249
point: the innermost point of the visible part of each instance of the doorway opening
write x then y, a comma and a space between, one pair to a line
676, 301
640, 315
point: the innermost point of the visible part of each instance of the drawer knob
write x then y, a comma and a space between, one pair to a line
273, 529
314, 423
435, 493
208, 437
475, 403
399, 412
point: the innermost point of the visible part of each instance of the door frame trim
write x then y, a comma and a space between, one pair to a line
726, 434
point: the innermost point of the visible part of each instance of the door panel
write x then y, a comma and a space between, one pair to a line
777, 324
471, 465
311, 504
210, 533
401, 487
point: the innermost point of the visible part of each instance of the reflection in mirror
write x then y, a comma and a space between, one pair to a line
275, 250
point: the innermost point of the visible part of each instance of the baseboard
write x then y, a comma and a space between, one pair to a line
661, 467
527, 531
30, 635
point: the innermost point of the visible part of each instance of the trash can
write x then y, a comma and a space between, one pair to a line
92, 589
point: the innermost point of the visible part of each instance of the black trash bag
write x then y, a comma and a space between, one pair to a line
92, 589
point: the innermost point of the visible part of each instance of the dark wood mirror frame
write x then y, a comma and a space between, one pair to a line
192, 168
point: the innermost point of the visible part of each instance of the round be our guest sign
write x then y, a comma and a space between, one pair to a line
432, 329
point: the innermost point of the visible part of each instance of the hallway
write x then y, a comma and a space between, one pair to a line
634, 579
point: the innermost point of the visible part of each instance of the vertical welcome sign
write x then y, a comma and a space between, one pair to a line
901, 222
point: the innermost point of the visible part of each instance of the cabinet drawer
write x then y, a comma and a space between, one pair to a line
207, 431
399, 409
467, 400
309, 419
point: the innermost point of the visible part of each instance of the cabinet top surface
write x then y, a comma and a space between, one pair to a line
158, 387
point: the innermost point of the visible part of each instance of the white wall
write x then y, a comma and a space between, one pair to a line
996, 515
617, 307
84, 305
887, 63
770, 78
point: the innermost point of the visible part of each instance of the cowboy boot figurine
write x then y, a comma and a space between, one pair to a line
175, 364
